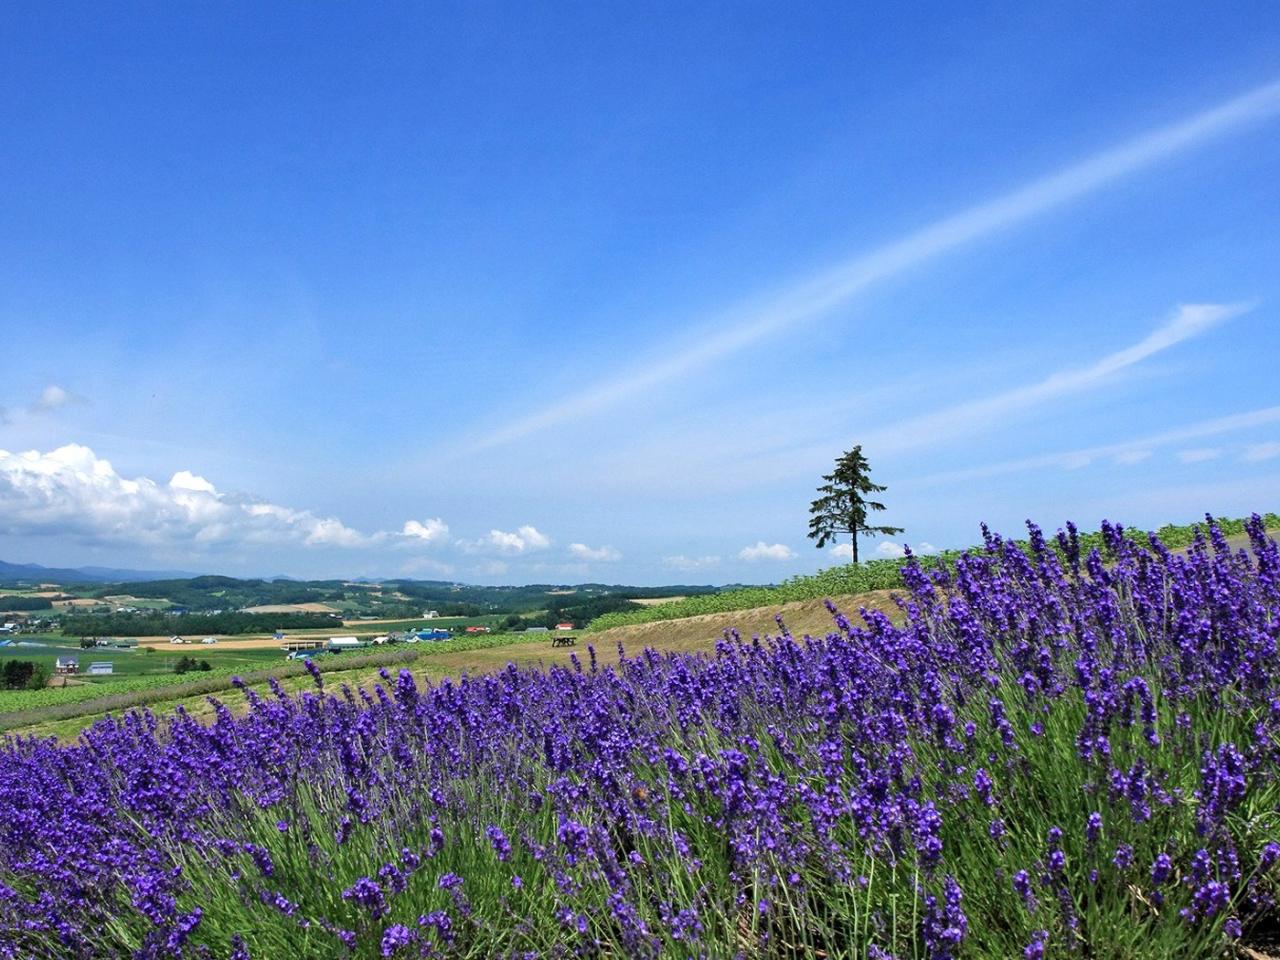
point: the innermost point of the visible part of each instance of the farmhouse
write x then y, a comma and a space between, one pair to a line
564, 626
65, 666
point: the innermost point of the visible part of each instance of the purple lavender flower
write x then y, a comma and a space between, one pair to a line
396, 937
368, 894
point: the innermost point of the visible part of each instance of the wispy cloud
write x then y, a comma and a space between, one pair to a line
1130, 457
1084, 456
754, 320
1199, 455
1187, 321
1262, 451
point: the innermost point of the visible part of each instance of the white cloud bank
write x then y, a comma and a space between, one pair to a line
73, 491
766, 551
605, 554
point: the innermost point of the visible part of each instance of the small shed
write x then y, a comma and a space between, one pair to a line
311, 643
101, 669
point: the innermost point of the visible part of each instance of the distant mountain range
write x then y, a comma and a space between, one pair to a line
34, 571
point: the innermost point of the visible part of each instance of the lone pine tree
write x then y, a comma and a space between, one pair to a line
842, 506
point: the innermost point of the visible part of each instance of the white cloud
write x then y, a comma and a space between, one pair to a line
51, 398
738, 328
1262, 451
583, 552
887, 548
432, 530
681, 562
842, 551
522, 540
71, 490
766, 551
1199, 455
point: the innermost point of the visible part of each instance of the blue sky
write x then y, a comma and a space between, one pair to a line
598, 292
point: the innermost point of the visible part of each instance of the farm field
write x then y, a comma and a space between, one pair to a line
1050, 755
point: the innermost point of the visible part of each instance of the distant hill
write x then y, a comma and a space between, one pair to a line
34, 571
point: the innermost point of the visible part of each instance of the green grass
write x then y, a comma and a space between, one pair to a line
859, 578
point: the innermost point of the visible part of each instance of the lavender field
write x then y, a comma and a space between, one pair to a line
1049, 755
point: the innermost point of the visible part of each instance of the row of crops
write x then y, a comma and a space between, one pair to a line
864, 577
1060, 752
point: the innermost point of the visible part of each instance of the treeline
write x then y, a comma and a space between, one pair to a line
579, 613
10, 602
215, 593
159, 624
23, 675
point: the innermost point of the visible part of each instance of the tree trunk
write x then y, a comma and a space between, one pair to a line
854, 534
